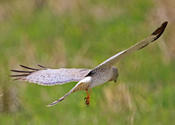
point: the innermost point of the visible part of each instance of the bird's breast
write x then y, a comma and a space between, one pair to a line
101, 76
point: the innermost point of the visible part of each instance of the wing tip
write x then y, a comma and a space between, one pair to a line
158, 32
26, 67
22, 74
55, 102
42, 66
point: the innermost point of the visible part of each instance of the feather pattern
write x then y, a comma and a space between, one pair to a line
49, 77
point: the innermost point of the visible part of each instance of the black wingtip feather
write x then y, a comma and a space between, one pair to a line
18, 71
23, 74
28, 68
18, 75
16, 79
158, 32
42, 66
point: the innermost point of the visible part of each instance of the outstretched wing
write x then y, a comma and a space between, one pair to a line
50, 77
114, 59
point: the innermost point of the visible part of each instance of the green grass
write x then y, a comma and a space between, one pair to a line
77, 36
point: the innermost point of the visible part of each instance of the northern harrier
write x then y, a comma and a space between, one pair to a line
86, 78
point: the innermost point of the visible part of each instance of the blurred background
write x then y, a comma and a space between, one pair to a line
76, 33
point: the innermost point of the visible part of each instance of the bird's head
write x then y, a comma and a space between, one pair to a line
115, 74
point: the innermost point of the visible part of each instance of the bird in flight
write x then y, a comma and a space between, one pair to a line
86, 78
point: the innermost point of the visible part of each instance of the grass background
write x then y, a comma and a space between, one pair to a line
63, 33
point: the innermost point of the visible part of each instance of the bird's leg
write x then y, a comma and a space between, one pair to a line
87, 99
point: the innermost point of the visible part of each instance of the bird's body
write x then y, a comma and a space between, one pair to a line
97, 78
100, 76
87, 78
